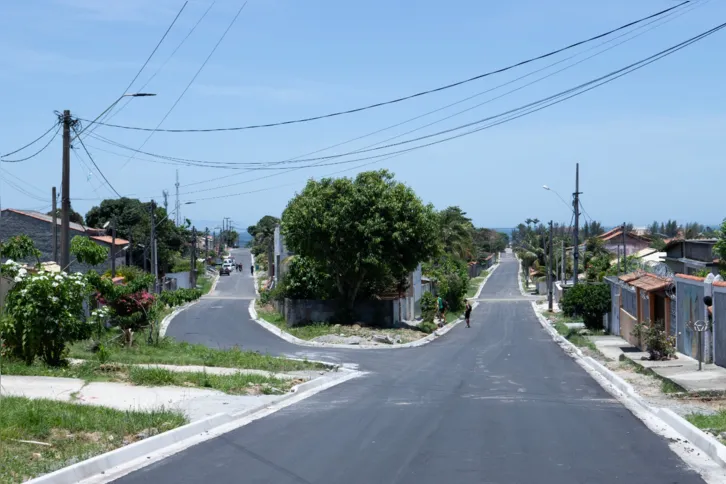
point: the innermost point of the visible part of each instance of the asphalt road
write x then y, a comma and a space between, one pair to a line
497, 403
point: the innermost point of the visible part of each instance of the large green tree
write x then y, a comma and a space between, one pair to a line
720, 248
263, 235
74, 216
133, 222
361, 231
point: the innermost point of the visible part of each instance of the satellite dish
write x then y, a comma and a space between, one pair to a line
106, 225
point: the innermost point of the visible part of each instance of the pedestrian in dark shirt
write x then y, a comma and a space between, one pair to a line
467, 313
252, 270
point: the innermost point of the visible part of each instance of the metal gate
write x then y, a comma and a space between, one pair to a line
690, 308
719, 327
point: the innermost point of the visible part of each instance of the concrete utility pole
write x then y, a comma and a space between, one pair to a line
65, 241
564, 263
165, 194
113, 247
55, 226
206, 243
155, 268
193, 270
177, 205
625, 252
576, 207
549, 273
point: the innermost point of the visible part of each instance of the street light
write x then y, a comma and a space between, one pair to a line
131, 94
555, 192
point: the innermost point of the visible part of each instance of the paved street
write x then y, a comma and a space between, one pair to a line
497, 403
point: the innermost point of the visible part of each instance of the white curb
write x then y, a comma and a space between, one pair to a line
117, 463
413, 344
709, 445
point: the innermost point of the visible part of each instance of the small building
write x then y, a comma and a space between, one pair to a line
690, 256
39, 227
614, 241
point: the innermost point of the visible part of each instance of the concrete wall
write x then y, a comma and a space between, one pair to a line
41, 232
627, 323
301, 311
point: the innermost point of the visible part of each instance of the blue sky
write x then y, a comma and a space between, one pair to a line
649, 144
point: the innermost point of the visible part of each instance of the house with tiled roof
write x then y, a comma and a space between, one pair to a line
39, 227
614, 240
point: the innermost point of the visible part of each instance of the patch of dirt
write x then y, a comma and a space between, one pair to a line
370, 335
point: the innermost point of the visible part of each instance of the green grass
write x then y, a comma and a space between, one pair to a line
716, 421
87, 371
205, 284
76, 432
238, 384
574, 337
474, 285
171, 352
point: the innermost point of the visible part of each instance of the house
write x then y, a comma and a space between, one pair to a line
691, 256
39, 227
614, 240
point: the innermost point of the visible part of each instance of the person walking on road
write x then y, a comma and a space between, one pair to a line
252, 270
467, 312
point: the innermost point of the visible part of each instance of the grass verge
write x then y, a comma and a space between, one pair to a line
311, 331
75, 432
238, 384
574, 336
171, 352
205, 284
474, 284
717, 421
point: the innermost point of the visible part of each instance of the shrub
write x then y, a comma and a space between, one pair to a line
129, 273
427, 327
658, 343
591, 301
452, 280
179, 297
428, 307
45, 313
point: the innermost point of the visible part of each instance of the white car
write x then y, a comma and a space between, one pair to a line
227, 268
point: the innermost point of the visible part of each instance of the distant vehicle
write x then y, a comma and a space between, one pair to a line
226, 269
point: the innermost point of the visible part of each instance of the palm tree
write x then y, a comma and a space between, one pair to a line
456, 232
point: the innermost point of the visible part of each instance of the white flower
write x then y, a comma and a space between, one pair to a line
55, 284
58, 277
54, 299
10, 262
80, 283
24, 292
22, 271
18, 279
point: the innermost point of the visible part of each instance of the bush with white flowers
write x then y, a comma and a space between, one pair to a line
46, 313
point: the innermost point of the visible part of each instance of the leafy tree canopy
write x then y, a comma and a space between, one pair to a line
74, 216
361, 231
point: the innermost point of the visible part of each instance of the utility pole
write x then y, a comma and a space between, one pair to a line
193, 270
625, 253
206, 243
564, 263
55, 227
65, 242
165, 194
549, 273
177, 207
113, 247
576, 206
154, 266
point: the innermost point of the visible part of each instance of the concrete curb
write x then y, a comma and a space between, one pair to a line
519, 276
413, 344
481, 285
706, 443
116, 463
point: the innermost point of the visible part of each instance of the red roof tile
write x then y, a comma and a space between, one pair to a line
690, 277
109, 240
651, 282
719, 283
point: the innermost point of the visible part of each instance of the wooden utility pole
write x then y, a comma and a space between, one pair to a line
193, 269
155, 269
113, 247
625, 253
65, 241
54, 233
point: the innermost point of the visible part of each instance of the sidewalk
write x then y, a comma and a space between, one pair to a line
682, 371
195, 403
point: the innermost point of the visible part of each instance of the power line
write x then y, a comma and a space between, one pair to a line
94, 163
472, 96
37, 152
121, 108
32, 142
209, 164
552, 99
404, 98
224, 34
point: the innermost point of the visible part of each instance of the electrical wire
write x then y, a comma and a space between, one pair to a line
32, 142
90, 170
94, 164
21, 189
570, 93
37, 152
476, 95
158, 44
38, 191
224, 34
404, 98
194, 27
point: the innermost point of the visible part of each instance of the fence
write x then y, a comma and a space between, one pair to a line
629, 301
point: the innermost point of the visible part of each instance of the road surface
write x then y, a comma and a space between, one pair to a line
497, 403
